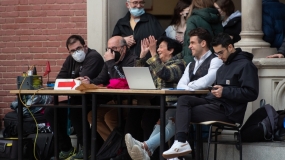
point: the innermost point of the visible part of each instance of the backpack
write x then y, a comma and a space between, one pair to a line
261, 125
111, 146
29, 125
44, 144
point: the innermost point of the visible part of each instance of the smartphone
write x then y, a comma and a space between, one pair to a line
212, 88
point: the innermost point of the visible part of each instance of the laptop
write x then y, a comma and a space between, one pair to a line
139, 78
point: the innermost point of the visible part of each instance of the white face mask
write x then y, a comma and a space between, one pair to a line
78, 56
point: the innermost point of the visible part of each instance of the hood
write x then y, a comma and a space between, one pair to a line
232, 16
238, 55
211, 15
265, 1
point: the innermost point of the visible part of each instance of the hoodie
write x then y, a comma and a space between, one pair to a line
207, 18
239, 78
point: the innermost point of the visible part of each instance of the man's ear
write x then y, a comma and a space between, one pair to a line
203, 43
127, 5
171, 51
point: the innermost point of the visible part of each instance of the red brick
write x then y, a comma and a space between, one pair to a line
10, 8
65, 19
9, 20
65, 1
3, 105
9, 75
10, 44
2, 9
8, 99
24, 2
37, 26
40, 32
52, 50
2, 20
10, 69
51, 13
36, 20
24, 8
2, 69
79, 19
24, 38
52, 37
24, 32
53, 32
37, 14
8, 2
81, 25
65, 7
65, 13
38, 50
23, 14
65, 25
51, 2
51, 44
10, 26
10, 50
37, 1
24, 56
38, 38
52, 7
9, 63
2, 81
10, 14
51, 19
7, 56
24, 50
64, 31
80, 13
78, 6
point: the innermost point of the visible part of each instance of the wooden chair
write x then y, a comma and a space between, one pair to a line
219, 125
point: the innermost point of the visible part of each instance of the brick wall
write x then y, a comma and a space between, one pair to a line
32, 32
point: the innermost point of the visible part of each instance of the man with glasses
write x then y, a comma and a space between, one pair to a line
236, 84
137, 25
81, 61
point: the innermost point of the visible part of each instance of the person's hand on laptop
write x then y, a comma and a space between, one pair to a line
144, 47
152, 45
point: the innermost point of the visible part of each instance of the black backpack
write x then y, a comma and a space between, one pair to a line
262, 125
111, 147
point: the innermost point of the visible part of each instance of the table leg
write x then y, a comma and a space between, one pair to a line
55, 102
94, 127
84, 119
199, 144
20, 129
162, 125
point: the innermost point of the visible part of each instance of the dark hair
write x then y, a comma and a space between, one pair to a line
202, 34
73, 38
226, 6
171, 44
222, 39
180, 5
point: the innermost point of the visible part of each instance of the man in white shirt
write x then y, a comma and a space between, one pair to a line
201, 73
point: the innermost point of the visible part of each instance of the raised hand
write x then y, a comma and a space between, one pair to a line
144, 47
152, 45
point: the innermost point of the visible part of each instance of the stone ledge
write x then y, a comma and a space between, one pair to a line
269, 63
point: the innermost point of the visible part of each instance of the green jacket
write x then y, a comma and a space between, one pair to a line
207, 18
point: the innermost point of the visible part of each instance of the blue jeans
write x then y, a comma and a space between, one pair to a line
154, 140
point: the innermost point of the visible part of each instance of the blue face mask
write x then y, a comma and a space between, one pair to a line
136, 12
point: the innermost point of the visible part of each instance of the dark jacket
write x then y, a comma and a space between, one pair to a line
273, 22
239, 79
207, 18
113, 70
91, 66
233, 28
148, 25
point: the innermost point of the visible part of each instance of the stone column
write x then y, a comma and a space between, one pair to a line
251, 34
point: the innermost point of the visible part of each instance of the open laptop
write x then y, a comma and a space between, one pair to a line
139, 78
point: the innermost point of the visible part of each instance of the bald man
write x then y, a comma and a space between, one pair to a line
117, 55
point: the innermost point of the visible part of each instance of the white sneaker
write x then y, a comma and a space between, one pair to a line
177, 149
130, 142
139, 154
176, 158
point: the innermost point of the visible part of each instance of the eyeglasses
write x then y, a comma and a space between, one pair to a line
136, 3
77, 49
220, 52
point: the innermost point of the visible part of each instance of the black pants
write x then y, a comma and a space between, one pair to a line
194, 109
75, 116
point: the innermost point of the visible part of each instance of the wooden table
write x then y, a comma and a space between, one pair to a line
160, 93
55, 93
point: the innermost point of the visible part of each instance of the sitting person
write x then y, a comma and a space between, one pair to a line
280, 53
231, 19
198, 75
236, 84
116, 56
